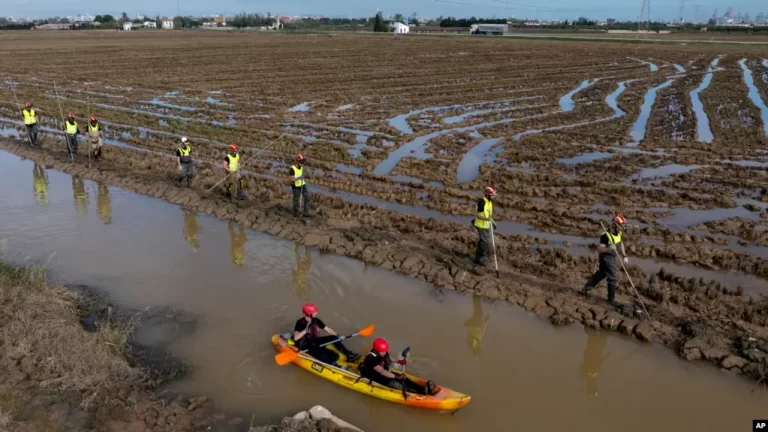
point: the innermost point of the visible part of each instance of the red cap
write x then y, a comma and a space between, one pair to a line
380, 345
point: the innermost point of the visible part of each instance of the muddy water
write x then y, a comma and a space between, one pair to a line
244, 286
754, 94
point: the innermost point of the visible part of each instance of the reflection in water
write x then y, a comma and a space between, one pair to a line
104, 204
40, 185
303, 287
79, 195
593, 359
191, 229
476, 325
237, 243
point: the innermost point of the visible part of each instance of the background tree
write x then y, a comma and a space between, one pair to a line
399, 18
124, 17
379, 25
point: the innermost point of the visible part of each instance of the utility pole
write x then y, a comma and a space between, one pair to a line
682, 11
644, 19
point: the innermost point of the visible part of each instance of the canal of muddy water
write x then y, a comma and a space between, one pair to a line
244, 286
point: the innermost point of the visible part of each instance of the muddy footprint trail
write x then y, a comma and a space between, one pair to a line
702, 319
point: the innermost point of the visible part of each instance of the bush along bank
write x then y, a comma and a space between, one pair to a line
709, 319
67, 365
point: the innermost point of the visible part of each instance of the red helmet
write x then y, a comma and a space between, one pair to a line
490, 191
300, 158
93, 119
233, 148
380, 345
309, 309
27, 105
620, 220
70, 115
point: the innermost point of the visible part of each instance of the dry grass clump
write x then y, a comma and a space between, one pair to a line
40, 328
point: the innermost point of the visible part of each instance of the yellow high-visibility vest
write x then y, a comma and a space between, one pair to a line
29, 117
298, 174
234, 162
71, 128
613, 239
92, 128
487, 213
186, 151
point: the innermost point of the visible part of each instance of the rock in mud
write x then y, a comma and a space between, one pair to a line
734, 361
644, 331
627, 326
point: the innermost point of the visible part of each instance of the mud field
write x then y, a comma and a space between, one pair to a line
403, 133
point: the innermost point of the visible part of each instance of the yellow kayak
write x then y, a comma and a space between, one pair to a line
444, 399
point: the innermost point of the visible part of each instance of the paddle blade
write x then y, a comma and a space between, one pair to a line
286, 357
367, 331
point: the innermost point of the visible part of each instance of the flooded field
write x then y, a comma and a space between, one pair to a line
241, 287
397, 157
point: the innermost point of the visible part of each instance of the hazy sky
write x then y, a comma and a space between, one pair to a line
547, 9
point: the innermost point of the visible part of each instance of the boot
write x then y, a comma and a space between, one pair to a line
229, 191
351, 355
586, 292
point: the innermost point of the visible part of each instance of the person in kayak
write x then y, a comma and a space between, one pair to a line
376, 368
305, 336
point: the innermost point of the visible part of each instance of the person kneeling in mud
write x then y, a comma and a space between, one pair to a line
305, 336
376, 368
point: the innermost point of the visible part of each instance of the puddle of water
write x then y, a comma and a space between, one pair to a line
345, 107
601, 378
652, 66
664, 171
566, 102
349, 169
400, 121
748, 163
640, 126
214, 101
302, 107
585, 157
469, 166
754, 94
684, 217
703, 132
611, 100
461, 117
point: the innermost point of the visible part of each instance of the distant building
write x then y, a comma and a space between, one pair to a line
399, 28
167, 24
533, 23
220, 20
127, 26
149, 25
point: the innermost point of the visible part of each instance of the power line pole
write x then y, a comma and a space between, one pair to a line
644, 19
682, 11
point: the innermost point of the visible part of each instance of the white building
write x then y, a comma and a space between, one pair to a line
399, 28
127, 26
533, 23
167, 24
149, 25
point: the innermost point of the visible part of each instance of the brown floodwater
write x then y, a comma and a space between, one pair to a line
242, 286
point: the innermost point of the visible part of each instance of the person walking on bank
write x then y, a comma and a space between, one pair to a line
482, 222
184, 160
72, 132
232, 165
607, 255
30, 121
299, 186
95, 132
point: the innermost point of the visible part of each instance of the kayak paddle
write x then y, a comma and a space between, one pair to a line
286, 357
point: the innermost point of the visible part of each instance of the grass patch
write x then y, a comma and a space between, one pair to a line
40, 328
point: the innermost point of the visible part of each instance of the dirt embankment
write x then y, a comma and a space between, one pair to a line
67, 365
546, 280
